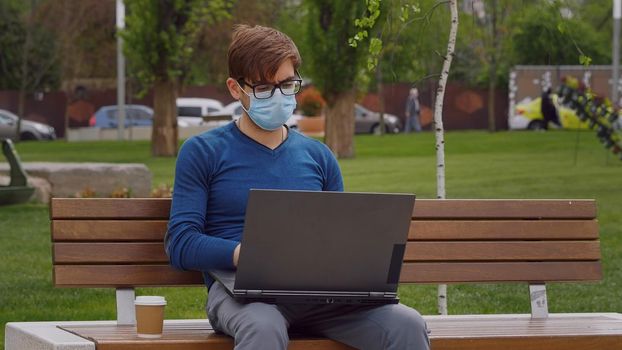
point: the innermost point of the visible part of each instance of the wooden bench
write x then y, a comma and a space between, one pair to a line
117, 243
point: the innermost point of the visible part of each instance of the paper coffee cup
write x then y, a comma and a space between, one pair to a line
149, 316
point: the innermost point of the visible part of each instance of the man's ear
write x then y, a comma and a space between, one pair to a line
234, 88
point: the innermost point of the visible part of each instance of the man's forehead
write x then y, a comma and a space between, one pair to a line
281, 75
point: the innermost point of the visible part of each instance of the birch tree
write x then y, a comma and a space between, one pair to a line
368, 22
440, 132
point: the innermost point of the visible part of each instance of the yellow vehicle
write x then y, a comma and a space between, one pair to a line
527, 115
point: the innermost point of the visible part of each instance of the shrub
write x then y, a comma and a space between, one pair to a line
121, 192
86, 192
311, 102
162, 191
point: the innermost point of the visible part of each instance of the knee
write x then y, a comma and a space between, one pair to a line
401, 316
264, 327
405, 328
262, 330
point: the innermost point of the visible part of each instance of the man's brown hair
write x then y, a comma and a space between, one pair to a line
257, 52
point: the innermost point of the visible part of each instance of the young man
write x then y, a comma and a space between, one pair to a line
214, 174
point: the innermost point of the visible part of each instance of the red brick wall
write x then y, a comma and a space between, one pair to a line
465, 108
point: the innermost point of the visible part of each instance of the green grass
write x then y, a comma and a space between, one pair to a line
478, 165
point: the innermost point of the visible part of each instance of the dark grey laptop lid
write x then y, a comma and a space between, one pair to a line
323, 241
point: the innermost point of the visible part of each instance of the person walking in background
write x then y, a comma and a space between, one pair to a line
548, 109
413, 111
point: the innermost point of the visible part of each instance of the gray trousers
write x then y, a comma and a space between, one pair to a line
412, 123
260, 326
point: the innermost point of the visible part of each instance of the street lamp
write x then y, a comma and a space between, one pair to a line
120, 71
617, 14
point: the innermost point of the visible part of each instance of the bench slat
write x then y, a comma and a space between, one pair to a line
420, 272
504, 251
110, 208
196, 336
111, 253
154, 230
159, 208
153, 252
123, 276
500, 272
503, 229
568, 342
109, 230
504, 209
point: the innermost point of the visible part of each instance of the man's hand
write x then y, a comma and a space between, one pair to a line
236, 255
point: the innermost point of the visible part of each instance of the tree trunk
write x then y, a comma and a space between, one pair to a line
339, 135
23, 86
21, 107
492, 127
164, 132
382, 128
438, 127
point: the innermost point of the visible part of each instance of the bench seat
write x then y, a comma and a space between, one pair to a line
464, 332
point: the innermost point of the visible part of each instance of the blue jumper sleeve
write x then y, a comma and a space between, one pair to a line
333, 180
187, 245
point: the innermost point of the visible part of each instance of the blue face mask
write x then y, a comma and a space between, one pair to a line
271, 113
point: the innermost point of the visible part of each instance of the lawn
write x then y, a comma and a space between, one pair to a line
479, 165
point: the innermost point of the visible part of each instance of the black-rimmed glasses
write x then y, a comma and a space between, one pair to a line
262, 91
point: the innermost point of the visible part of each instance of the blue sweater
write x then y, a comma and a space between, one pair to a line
213, 176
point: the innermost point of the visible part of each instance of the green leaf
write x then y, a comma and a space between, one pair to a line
404, 14
585, 60
375, 46
372, 62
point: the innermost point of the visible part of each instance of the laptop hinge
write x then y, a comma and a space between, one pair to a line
381, 295
253, 292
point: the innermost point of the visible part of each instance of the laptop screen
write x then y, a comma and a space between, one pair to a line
328, 241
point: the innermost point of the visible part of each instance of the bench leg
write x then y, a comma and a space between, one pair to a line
126, 314
539, 306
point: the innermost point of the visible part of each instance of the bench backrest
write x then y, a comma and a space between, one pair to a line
119, 242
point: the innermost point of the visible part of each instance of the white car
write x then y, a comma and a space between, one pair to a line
29, 130
235, 110
192, 111
366, 121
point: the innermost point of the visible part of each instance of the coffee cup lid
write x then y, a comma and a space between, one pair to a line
149, 300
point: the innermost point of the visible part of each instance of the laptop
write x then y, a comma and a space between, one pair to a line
314, 247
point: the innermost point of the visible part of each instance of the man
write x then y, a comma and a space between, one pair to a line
412, 111
549, 110
216, 170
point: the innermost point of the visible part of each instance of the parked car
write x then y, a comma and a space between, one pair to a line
235, 110
194, 111
528, 115
366, 121
29, 130
135, 115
